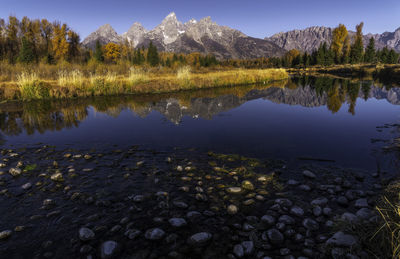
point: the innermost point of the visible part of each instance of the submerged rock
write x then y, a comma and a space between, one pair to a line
154, 234
86, 234
109, 249
199, 239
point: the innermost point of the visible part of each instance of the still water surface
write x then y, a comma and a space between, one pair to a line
305, 118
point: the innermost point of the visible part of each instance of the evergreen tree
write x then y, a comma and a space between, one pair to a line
370, 51
393, 57
384, 55
357, 49
152, 55
320, 55
98, 52
26, 54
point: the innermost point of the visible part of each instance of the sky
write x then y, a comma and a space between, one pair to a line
257, 18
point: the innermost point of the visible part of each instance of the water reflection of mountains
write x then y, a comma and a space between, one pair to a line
53, 115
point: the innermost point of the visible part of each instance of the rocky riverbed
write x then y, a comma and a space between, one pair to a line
138, 203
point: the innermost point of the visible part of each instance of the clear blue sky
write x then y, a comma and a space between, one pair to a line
257, 18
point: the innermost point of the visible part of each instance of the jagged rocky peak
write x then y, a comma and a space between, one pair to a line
135, 34
305, 40
104, 34
169, 29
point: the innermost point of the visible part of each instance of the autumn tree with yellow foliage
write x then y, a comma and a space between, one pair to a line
59, 42
339, 40
112, 52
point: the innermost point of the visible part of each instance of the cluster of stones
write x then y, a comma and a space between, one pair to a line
187, 207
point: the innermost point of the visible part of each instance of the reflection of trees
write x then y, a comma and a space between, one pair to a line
55, 115
366, 88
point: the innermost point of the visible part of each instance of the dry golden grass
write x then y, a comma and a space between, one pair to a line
71, 81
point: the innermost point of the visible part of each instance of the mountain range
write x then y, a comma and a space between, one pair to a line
207, 37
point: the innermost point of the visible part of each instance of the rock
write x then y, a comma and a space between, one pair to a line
199, 239
292, 182
238, 251
349, 217
154, 234
284, 251
57, 177
341, 200
317, 211
310, 224
48, 202
304, 187
275, 236
109, 249
5, 234
286, 219
132, 233
342, 239
180, 204
309, 174
361, 203
297, 211
234, 190
327, 211
86, 234
177, 222
26, 186
15, 171
247, 185
319, 201
85, 249
364, 213
248, 247
232, 209
284, 202
268, 219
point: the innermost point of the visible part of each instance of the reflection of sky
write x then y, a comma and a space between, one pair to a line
258, 128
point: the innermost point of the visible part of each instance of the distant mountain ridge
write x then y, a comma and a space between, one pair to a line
204, 36
207, 37
309, 39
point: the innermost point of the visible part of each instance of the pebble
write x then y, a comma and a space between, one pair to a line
232, 209
361, 203
177, 222
199, 239
319, 201
5, 234
15, 171
341, 200
86, 234
154, 234
310, 224
268, 219
275, 236
109, 249
297, 211
57, 177
342, 239
309, 174
26, 186
234, 190
247, 185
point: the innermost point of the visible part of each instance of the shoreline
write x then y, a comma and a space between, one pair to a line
30, 86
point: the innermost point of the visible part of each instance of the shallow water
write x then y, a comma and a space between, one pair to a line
317, 118
120, 174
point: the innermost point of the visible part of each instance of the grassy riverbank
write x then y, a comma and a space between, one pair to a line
48, 82
380, 72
